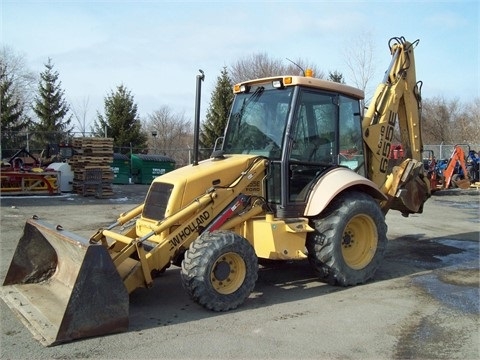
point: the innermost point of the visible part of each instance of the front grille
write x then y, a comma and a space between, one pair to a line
156, 201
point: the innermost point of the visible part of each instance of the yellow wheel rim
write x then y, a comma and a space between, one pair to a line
228, 273
359, 242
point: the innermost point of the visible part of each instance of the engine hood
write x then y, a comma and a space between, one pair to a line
192, 181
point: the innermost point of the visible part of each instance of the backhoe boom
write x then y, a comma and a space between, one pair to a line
397, 99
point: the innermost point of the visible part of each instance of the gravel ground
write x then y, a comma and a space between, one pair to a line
423, 302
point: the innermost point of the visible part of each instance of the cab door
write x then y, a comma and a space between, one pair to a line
324, 132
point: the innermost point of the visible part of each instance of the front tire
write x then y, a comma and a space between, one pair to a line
219, 270
349, 240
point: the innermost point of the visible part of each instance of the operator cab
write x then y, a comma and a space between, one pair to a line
304, 126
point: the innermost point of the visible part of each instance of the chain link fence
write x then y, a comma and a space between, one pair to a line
12, 142
444, 151
34, 142
182, 156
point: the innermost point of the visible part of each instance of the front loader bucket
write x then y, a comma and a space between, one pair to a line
64, 288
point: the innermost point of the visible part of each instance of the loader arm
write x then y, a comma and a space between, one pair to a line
397, 98
136, 259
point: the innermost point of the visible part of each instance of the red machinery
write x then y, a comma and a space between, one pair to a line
23, 176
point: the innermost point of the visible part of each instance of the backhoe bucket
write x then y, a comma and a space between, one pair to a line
64, 288
462, 183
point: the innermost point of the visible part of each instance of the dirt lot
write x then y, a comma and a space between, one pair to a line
423, 302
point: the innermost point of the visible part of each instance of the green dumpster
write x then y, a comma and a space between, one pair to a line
121, 169
145, 168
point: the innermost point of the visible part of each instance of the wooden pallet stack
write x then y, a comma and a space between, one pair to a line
92, 155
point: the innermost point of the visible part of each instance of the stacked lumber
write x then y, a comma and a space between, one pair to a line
92, 155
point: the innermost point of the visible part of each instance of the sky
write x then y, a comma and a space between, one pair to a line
155, 48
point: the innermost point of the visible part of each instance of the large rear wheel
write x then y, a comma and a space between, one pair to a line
219, 270
349, 240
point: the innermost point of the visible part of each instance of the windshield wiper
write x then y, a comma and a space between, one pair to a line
254, 97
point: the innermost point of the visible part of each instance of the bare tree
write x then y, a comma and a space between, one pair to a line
80, 114
472, 115
260, 65
170, 134
361, 63
449, 121
23, 80
436, 120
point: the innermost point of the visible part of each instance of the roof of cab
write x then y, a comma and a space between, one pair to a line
310, 82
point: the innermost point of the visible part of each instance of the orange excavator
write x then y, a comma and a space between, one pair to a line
450, 177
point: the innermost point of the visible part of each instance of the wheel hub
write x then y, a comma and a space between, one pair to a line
228, 273
359, 242
222, 270
347, 239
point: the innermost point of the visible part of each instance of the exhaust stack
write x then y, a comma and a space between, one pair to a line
196, 134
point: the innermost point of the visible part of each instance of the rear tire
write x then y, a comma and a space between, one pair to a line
349, 240
219, 270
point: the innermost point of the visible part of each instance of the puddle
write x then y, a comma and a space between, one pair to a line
469, 252
456, 284
456, 289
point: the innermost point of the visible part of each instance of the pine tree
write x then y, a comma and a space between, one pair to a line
218, 112
121, 121
336, 77
51, 109
13, 120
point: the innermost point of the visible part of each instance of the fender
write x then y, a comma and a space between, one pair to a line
333, 183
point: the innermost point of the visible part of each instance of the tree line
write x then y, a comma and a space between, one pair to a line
37, 106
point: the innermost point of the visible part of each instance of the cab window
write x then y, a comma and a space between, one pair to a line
350, 130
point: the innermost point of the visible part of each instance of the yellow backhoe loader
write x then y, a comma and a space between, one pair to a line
299, 174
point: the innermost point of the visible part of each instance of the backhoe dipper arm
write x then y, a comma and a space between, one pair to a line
458, 156
397, 98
